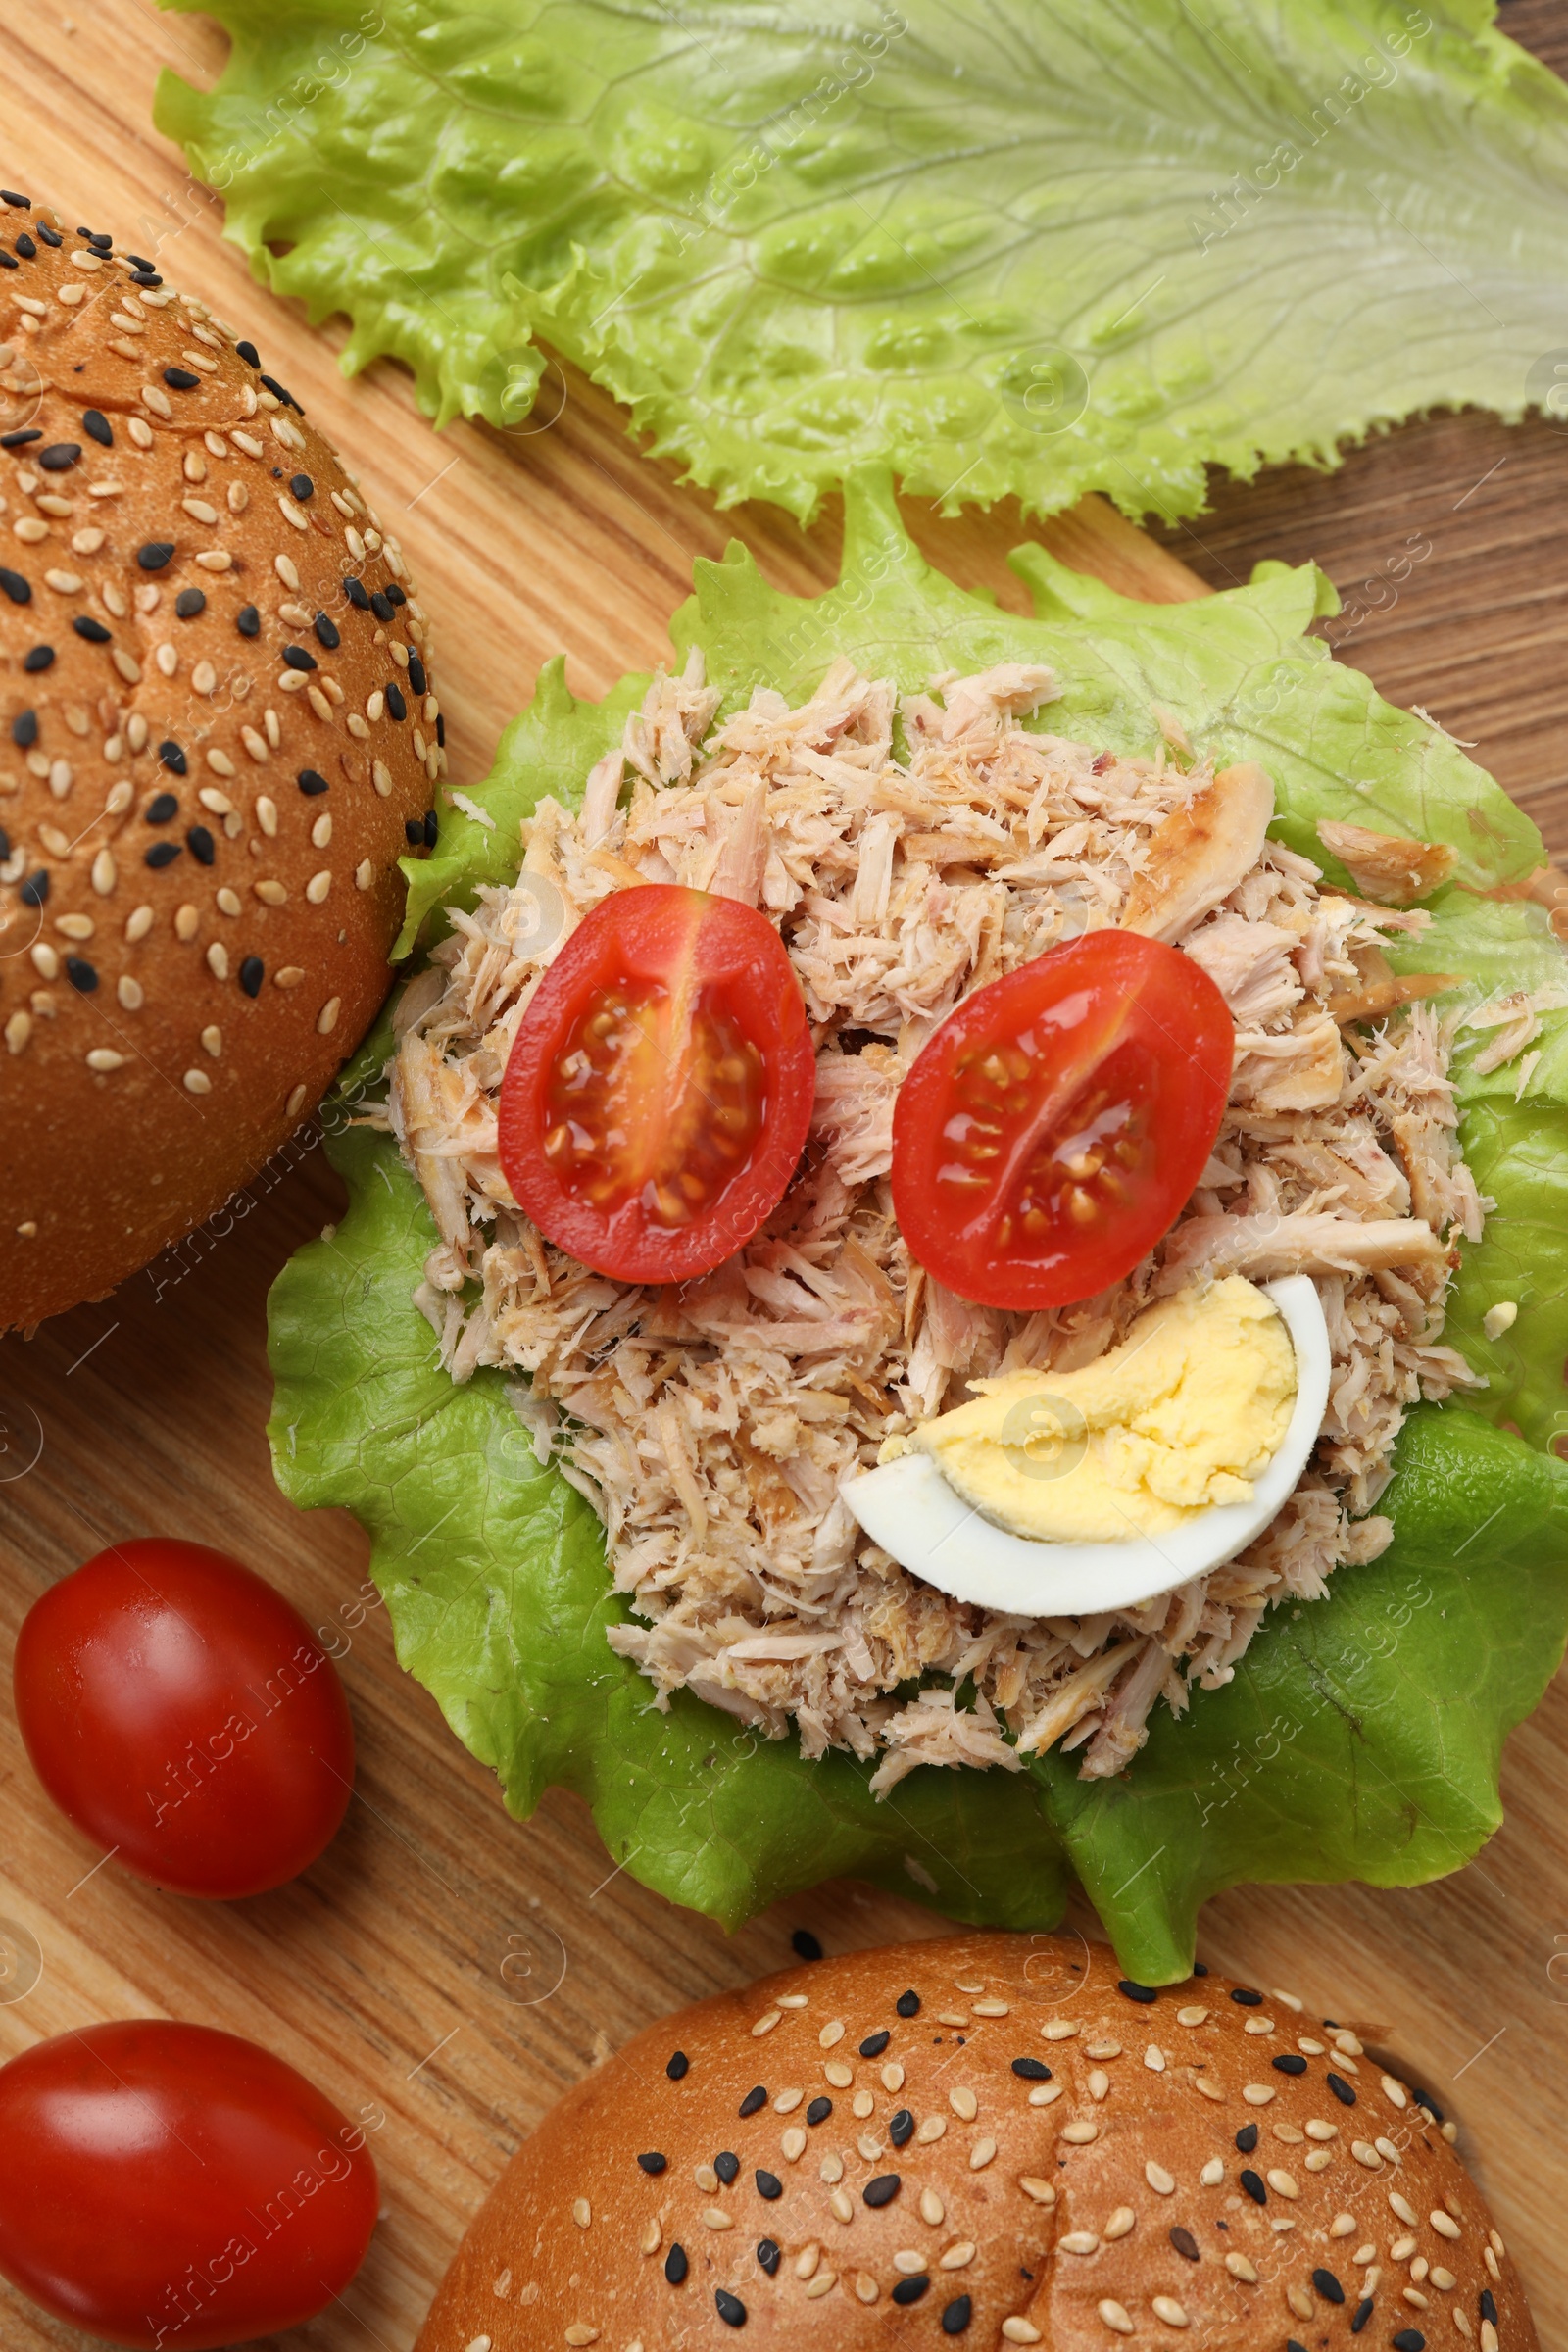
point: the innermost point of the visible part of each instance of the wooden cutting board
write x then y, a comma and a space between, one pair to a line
443, 1968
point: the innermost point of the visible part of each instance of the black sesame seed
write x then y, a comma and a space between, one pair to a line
1255, 2188
327, 633
60, 456
396, 707
908, 2004
24, 204
1136, 1993
41, 657
675, 2265
139, 261
272, 384
248, 621
653, 2162
154, 554
296, 658
883, 2190
93, 630
1328, 2287
955, 2319
416, 677
1409, 2339
909, 2290
679, 2063
252, 973
8, 260
27, 248
249, 354
1341, 2090
433, 828
818, 2110
1289, 2064
1246, 1998
874, 2045
5, 844
901, 2129
394, 594
162, 853
1186, 2244
380, 604
16, 587
301, 486
414, 831
50, 237
730, 2309
1424, 2098
1246, 2138
354, 590
36, 889
97, 427
767, 2254
24, 729
1200, 1968
82, 975
161, 808
311, 783
20, 437
1489, 2305
201, 844
727, 2166
1031, 2070
441, 739
171, 756
1361, 2315
769, 2186
189, 602
754, 2098
98, 239
145, 278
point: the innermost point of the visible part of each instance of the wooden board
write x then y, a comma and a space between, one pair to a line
442, 1967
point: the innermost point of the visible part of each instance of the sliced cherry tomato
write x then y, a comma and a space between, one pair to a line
180, 1712
164, 2184
1056, 1123
658, 1090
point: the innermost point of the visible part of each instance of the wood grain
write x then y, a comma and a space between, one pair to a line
442, 1966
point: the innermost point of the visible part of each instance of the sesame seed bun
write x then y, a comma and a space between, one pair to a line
994, 2138
217, 738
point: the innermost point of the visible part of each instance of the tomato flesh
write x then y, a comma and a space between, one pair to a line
182, 1713
165, 2185
658, 1090
1054, 1128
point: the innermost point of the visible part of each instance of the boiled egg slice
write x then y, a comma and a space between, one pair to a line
910, 1508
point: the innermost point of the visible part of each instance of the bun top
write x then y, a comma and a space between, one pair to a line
217, 737
996, 2138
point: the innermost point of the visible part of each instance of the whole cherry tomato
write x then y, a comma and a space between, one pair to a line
164, 2184
658, 1090
1054, 1126
182, 1713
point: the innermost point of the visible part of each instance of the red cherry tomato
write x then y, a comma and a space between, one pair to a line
163, 2184
1054, 1126
658, 1090
182, 1713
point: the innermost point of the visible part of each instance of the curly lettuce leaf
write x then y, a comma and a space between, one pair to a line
1360, 1737
1008, 248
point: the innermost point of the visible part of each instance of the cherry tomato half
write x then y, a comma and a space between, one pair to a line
166, 2185
660, 1087
180, 1712
1055, 1124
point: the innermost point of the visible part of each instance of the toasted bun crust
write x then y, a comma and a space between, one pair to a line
190, 941
1109, 2204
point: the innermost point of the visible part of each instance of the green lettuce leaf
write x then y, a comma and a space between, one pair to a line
1360, 1736
1027, 247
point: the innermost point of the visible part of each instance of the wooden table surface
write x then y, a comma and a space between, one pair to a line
442, 1969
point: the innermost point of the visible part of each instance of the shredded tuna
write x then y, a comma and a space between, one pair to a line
713, 1427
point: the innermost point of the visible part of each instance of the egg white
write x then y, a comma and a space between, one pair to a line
909, 1507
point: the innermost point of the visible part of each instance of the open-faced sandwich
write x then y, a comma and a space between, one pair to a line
982, 1188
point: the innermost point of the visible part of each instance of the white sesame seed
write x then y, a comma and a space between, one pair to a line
1300, 2301
187, 921
841, 2205
1078, 2242
86, 542
963, 2103
166, 661
1154, 2059
197, 1082
45, 960
1402, 2248
215, 558
1159, 2181
267, 815
1119, 2224
981, 2154
1166, 2308
1319, 2160
1046, 2094
120, 795
652, 2237
296, 1102
1257, 2095
271, 893
1258, 2024
128, 990
381, 779
1115, 2316
199, 510
835, 2071
579, 2334
245, 441
217, 960
286, 571
1208, 2089
823, 2284
932, 2129
1366, 2155
288, 975
869, 2145
831, 2168
64, 583
893, 2076
1041, 2191
1387, 2148
374, 705
787, 2100
866, 2287
1079, 2135
292, 513
1395, 2092
316, 698
221, 764
1444, 2224
229, 900
29, 530
1212, 2174
582, 2212
1098, 2083
322, 832
807, 2260
793, 2142
152, 396
104, 874
292, 681
18, 1028
128, 666
981, 2008
138, 923
908, 2262
715, 2217
1020, 2330
1061, 2029
1282, 2182
932, 2209
765, 2023
104, 1057
204, 678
